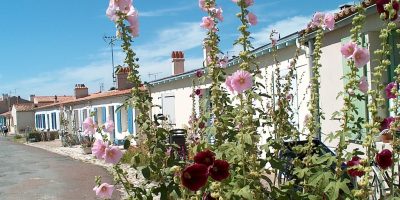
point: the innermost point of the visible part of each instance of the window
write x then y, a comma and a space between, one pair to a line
168, 107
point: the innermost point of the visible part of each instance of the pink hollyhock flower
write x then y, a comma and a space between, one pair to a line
104, 190
361, 57
241, 81
348, 49
123, 5
252, 19
249, 2
133, 17
112, 155
220, 170
202, 5
329, 21
109, 126
388, 90
218, 13
228, 83
111, 12
207, 23
89, 126
318, 19
363, 84
99, 148
384, 159
223, 62
354, 162
206, 157
195, 176
134, 30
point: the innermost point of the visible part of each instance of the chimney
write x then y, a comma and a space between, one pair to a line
32, 97
81, 91
122, 78
55, 99
178, 62
206, 53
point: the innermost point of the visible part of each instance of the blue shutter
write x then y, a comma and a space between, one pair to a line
43, 121
130, 120
55, 121
119, 123
103, 115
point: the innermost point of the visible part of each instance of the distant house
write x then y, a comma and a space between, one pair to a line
101, 106
22, 118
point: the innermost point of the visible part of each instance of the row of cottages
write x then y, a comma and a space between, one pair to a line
172, 94
101, 106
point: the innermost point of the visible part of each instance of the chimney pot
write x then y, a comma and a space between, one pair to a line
81, 91
178, 62
122, 78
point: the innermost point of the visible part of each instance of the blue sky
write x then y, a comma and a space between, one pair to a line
48, 46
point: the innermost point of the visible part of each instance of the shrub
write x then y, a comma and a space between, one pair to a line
34, 136
138, 152
17, 137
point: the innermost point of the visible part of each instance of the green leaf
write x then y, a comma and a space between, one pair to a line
146, 172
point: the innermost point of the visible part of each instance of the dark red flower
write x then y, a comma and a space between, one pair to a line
220, 170
207, 196
380, 6
206, 157
384, 159
385, 123
202, 125
195, 176
355, 161
199, 73
197, 92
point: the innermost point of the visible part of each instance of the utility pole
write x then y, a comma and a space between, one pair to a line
110, 40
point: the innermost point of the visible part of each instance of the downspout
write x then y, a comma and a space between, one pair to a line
309, 54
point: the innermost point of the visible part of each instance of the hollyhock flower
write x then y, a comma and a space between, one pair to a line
206, 157
194, 176
241, 81
202, 125
363, 84
202, 5
104, 190
252, 19
348, 49
199, 73
99, 148
112, 155
218, 13
247, 2
89, 126
228, 83
380, 7
388, 90
329, 21
220, 170
360, 57
318, 19
197, 92
109, 126
111, 12
207, 23
123, 5
384, 159
223, 62
354, 162
133, 17
385, 123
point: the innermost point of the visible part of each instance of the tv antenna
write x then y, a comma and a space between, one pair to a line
154, 75
110, 40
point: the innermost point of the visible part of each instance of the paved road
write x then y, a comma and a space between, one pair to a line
35, 174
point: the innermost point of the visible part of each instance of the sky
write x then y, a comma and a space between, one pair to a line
49, 46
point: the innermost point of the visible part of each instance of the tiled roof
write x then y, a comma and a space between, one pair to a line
123, 70
345, 12
6, 114
21, 107
42, 99
93, 96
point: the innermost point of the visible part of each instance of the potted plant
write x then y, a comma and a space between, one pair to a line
87, 144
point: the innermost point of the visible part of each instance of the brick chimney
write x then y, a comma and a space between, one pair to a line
32, 97
122, 78
81, 91
178, 62
206, 53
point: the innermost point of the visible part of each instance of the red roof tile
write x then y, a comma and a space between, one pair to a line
21, 107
